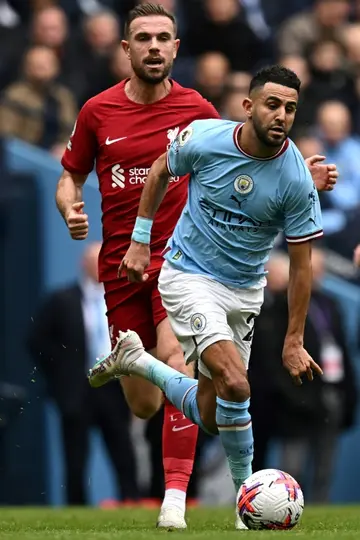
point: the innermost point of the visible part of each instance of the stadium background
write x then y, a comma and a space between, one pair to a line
224, 41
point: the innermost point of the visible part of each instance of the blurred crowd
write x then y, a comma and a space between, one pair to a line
56, 54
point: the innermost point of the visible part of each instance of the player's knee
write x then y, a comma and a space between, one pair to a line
231, 384
145, 411
145, 407
173, 357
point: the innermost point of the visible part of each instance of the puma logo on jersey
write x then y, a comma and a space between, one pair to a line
240, 203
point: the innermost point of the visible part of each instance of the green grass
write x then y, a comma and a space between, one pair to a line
325, 523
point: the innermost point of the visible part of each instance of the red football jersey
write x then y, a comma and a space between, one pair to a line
125, 138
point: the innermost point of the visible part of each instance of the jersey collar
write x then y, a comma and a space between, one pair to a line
281, 151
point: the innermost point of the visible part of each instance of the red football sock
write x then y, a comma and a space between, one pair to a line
179, 437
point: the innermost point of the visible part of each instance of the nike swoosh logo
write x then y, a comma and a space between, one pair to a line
112, 141
175, 428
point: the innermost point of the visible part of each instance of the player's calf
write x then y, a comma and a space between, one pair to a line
143, 398
232, 407
179, 433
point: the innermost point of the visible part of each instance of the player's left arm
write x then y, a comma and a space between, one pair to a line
302, 225
178, 161
324, 175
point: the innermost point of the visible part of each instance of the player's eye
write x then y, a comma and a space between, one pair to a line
164, 37
143, 37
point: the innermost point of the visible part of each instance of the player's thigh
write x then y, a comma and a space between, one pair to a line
168, 349
130, 310
197, 312
242, 321
135, 313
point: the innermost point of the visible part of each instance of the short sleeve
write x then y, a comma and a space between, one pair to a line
207, 111
182, 156
80, 152
303, 220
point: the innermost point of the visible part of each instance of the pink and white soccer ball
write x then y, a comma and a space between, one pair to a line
270, 499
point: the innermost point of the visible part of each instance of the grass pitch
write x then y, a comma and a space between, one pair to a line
321, 523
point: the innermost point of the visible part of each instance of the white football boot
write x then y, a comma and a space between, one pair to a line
171, 518
128, 349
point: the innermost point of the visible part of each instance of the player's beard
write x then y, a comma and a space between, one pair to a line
264, 137
152, 78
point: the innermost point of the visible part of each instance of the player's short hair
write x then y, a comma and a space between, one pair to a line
148, 10
275, 74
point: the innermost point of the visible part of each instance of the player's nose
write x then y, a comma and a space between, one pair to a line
281, 115
154, 45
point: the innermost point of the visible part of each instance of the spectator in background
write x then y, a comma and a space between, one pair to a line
309, 144
331, 78
50, 28
211, 72
325, 20
236, 90
120, 66
306, 109
221, 26
308, 419
335, 403
69, 331
351, 39
340, 207
325, 77
36, 109
100, 38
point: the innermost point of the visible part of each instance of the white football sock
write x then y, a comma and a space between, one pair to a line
174, 498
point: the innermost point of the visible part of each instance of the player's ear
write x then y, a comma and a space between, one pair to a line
176, 47
247, 106
125, 46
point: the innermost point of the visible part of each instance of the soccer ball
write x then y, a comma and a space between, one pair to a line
270, 499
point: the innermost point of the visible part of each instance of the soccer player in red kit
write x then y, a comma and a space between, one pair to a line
125, 129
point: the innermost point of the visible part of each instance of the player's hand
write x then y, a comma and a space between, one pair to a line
77, 222
298, 362
324, 175
135, 262
357, 255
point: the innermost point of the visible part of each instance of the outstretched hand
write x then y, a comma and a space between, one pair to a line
324, 175
298, 362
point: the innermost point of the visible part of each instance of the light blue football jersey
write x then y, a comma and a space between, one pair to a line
237, 204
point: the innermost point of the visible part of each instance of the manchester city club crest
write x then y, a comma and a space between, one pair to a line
198, 322
243, 184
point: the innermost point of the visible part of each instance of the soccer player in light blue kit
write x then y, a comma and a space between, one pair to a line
248, 182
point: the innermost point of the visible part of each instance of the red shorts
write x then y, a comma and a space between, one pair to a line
135, 306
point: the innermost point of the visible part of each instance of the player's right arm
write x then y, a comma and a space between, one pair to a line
182, 158
70, 204
78, 161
